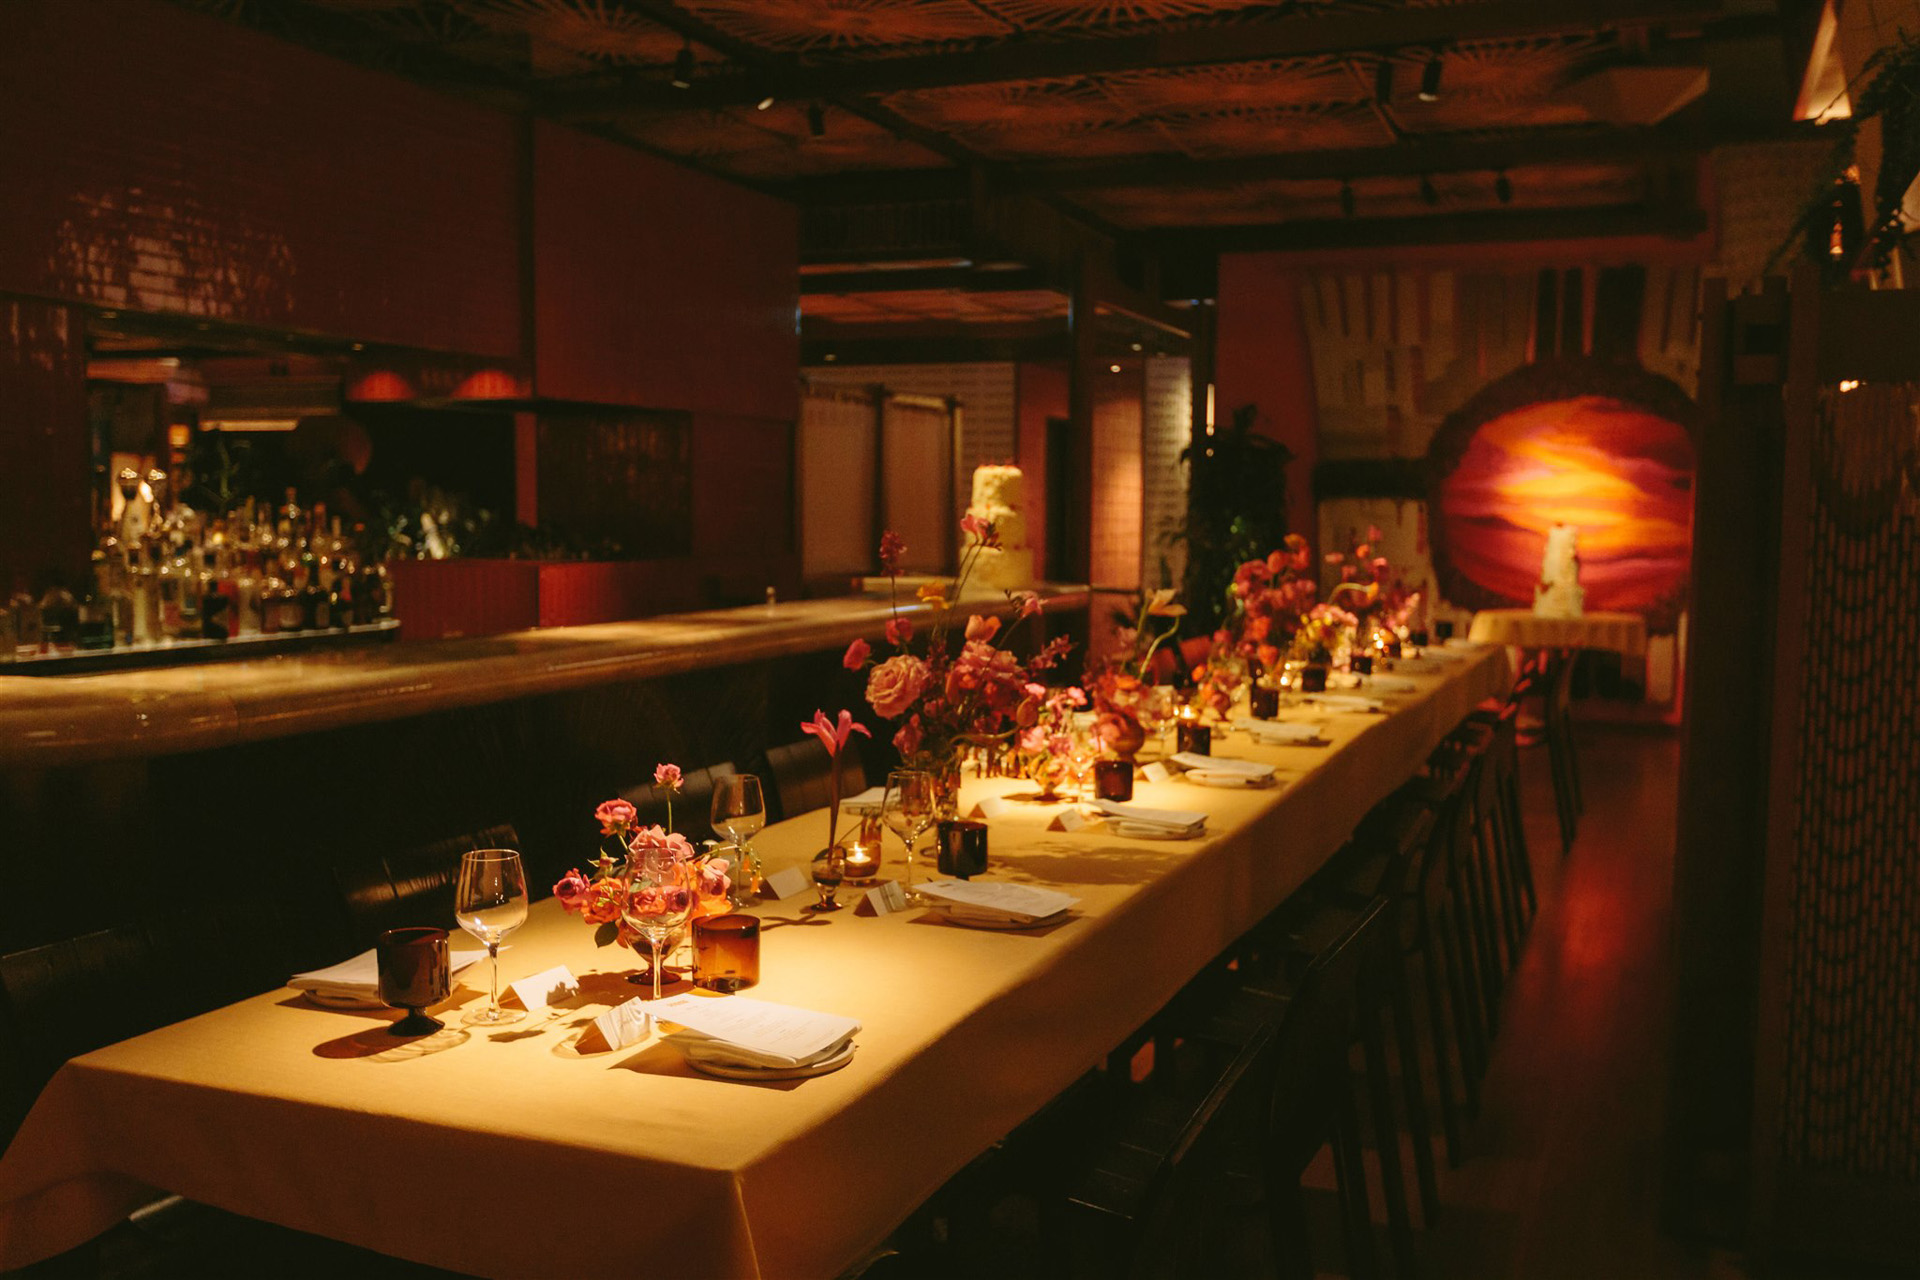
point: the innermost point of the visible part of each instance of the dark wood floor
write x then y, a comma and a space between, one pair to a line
1562, 1182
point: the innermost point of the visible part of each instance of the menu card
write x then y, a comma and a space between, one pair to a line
756, 1033
868, 801
999, 903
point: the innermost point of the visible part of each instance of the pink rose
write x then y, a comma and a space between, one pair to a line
1374, 534
604, 900
612, 815
675, 845
572, 891
983, 629
899, 631
857, 654
713, 878
907, 741
895, 683
667, 775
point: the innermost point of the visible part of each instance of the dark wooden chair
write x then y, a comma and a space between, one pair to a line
691, 806
415, 886
800, 770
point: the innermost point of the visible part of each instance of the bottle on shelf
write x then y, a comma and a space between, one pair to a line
7, 654
216, 600
26, 620
59, 620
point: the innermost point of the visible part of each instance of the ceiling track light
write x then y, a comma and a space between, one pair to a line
1503, 187
1383, 81
683, 67
1429, 192
817, 120
1430, 80
1347, 204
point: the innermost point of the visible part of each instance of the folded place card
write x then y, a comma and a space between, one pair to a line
1072, 820
996, 807
545, 988
759, 1032
995, 900
1155, 772
886, 898
623, 1024
786, 882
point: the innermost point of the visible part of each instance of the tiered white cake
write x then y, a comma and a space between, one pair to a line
997, 497
1558, 593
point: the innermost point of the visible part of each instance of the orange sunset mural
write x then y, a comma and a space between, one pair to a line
1618, 470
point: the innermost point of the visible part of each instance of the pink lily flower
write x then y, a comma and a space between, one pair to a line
834, 736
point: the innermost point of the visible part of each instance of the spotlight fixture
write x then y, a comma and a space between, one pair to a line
1113, 368
1347, 204
1429, 192
762, 91
683, 67
1383, 81
817, 120
1430, 80
1503, 187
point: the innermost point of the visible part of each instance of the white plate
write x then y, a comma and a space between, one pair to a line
732, 1071
1144, 831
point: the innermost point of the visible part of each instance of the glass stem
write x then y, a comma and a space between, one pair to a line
654, 942
493, 962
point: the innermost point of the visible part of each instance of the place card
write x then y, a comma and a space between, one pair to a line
543, 988
993, 807
1074, 820
883, 899
785, 883
1155, 772
623, 1024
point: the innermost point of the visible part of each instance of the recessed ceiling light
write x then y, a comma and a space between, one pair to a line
1430, 80
683, 67
1114, 368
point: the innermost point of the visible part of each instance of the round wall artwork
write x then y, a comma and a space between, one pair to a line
1603, 447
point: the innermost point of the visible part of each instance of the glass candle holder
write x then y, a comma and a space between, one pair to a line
862, 861
726, 952
1113, 780
1191, 735
1417, 638
1265, 700
1361, 663
1443, 631
1313, 678
963, 848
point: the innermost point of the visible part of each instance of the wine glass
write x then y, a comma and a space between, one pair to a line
490, 902
908, 809
660, 893
740, 810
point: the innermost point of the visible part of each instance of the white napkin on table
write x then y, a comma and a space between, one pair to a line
359, 978
1418, 666
1193, 761
1227, 778
993, 902
1176, 821
1379, 684
868, 801
1346, 702
737, 1031
1276, 733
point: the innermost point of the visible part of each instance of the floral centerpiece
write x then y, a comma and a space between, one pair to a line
599, 899
1044, 743
1121, 683
1271, 597
1369, 594
942, 699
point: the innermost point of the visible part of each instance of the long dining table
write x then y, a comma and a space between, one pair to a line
528, 1151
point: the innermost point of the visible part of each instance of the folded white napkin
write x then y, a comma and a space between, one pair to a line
359, 978
1278, 732
1379, 684
1193, 760
1224, 778
868, 801
1178, 821
1346, 702
995, 902
737, 1031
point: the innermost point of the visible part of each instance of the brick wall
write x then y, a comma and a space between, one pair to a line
158, 160
43, 418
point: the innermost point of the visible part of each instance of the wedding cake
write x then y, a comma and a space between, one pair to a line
1558, 593
997, 498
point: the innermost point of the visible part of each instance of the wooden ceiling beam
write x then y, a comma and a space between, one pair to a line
967, 279
1468, 227
1314, 33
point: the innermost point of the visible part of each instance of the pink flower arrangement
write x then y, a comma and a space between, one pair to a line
600, 899
1271, 596
943, 700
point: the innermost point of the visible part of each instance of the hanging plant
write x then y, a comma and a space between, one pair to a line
1236, 512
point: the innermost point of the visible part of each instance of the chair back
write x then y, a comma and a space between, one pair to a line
800, 775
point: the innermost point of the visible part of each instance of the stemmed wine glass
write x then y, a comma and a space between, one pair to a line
490, 902
740, 810
908, 809
660, 894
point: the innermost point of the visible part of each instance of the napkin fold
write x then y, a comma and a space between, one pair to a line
1194, 762
1278, 733
741, 1032
1379, 684
1226, 778
1173, 821
359, 978
994, 902
868, 801
1346, 702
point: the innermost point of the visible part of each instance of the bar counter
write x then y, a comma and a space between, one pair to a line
48, 721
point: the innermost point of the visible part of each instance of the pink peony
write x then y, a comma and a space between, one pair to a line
667, 775
675, 845
857, 654
899, 631
572, 891
713, 878
612, 815
983, 629
895, 684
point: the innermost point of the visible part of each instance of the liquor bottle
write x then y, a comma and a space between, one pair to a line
216, 600
26, 620
96, 622
59, 619
168, 589
111, 589
316, 611
272, 589
246, 595
144, 585
7, 636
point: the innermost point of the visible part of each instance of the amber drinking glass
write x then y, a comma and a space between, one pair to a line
414, 975
1113, 780
726, 952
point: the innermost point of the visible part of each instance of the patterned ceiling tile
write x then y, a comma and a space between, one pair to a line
1076, 15
589, 31
838, 26
1265, 131
1187, 90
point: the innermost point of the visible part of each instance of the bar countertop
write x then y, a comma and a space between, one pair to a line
64, 720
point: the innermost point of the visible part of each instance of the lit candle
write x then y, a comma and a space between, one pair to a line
862, 861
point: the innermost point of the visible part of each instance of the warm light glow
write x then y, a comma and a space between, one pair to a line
1850, 384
